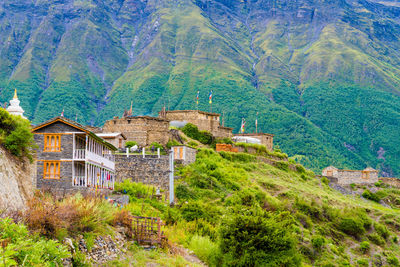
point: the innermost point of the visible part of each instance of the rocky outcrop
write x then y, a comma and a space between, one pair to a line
16, 184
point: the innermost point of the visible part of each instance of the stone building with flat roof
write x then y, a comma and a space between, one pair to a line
142, 129
347, 177
265, 139
205, 121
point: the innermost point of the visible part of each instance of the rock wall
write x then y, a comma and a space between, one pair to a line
395, 182
149, 170
16, 181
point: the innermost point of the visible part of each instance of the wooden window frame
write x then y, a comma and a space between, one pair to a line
46, 170
47, 143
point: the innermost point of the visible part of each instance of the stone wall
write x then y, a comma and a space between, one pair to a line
346, 177
184, 154
265, 139
142, 129
149, 170
395, 182
65, 156
205, 121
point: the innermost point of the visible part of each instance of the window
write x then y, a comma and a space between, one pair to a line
51, 170
52, 142
365, 175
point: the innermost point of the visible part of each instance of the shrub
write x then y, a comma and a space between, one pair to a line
393, 261
364, 247
130, 144
282, 165
351, 226
300, 168
135, 190
193, 132
16, 135
157, 145
376, 239
363, 262
172, 143
205, 249
381, 230
318, 242
193, 144
253, 239
26, 249
325, 180
371, 196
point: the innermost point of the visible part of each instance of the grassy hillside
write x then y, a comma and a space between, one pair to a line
231, 209
324, 76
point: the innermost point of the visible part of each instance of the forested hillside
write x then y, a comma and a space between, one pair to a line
323, 75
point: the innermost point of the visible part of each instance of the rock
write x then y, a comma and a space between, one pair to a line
68, 242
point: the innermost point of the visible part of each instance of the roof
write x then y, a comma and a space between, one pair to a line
75, 125
110, 135
224, 127
141, 117
253, 134
198, 111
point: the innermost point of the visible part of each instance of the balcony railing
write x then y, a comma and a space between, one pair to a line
79, 181
79, 154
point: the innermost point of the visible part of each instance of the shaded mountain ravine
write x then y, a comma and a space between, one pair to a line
323, 75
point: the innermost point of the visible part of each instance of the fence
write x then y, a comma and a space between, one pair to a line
147, 230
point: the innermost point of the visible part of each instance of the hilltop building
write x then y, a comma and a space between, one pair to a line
70, 157
142, 129
14, 108
347, 177
116, 139
263, 138
205, 121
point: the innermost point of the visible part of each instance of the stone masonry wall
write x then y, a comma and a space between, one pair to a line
356, 177
65, 155
144, 130
149, 170
395, 182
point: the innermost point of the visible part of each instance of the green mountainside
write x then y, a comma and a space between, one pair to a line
323, 75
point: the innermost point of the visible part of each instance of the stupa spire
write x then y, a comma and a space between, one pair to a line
14, 108
15, 94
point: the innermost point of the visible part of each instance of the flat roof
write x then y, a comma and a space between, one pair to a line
253, 134
198, 111
141, 117
111, 135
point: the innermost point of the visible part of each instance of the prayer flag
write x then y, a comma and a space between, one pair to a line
210, 97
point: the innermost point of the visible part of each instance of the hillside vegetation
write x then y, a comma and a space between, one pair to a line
323, 75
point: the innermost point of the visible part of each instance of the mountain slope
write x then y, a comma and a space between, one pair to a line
323, 75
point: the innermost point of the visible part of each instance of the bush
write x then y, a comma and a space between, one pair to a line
130, 144
253, 239
193, 144
25, 249
206, 250
16, 135
318, 242
282, 165
376, 239
381, 230
363, 262
156, 146
351, 226
393, 261
193, 132
172, 143
371, 196
300, 168
364, 247
325, 180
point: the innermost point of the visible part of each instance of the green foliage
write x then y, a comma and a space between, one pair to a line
364, 247
206, 250
363, 262
352, 226
23, 248
381, 230
393, 261
283, 165
135, 190
15, 134
262, 150
318, 242
157, 145
193, 144
255, 239
172, 143
130, 144
325, 180
371, 196
193, 132
376, 239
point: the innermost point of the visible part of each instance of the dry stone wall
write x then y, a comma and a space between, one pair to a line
149, 170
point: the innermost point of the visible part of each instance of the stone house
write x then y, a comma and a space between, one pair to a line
70, 157
205, 121
184, 154
142, 129
116, 139
264, 138
346, 177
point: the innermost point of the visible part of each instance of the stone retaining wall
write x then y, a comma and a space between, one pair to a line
149, 170
395, 182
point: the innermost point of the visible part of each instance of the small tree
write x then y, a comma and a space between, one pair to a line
130, 144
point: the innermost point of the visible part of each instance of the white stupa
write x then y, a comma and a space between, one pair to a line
15, 108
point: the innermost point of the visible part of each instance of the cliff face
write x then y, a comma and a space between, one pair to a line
15, 180
323, 75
